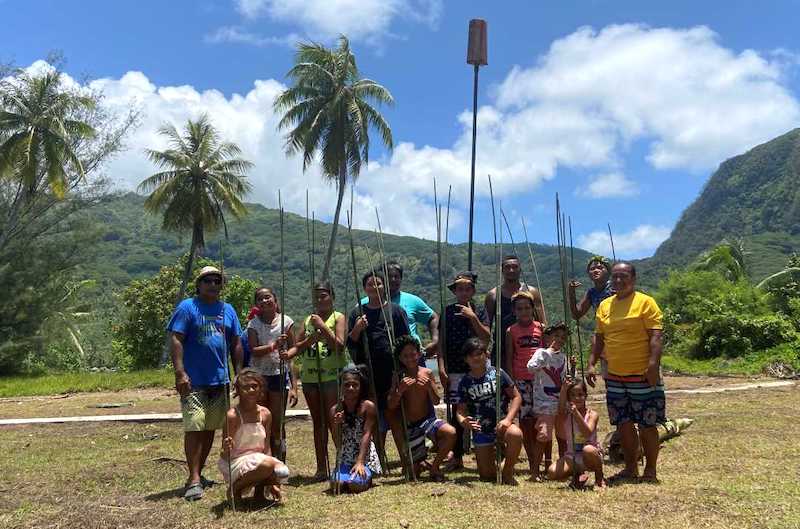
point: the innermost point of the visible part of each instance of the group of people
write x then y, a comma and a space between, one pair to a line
365, 375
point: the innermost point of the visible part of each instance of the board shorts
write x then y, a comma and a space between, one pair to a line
342, 475
204, 408
525, 388
418, 431
633, 399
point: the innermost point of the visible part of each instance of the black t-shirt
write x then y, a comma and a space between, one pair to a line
507, 319
379, 347
457, 331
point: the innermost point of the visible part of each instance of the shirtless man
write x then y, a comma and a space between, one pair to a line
511, 285
419, 396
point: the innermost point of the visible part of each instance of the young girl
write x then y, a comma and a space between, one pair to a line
549, 367
354, 420
523, 338
477, 412
266, 345
583, 450
320, 350
246, 446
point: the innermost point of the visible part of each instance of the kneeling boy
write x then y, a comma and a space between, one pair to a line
419, 396
477, 412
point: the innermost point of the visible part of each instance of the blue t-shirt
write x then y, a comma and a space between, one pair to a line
417, 311
479, 395
596, 296
204, 352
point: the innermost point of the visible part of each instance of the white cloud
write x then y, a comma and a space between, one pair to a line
690, 100
609, 185
358, 19
640, 242
239, 35
694, 101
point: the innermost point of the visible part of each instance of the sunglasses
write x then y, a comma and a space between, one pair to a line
212, 280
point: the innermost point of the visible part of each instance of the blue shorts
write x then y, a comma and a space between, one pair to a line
343, 476
633, 399
418, 431
483, 439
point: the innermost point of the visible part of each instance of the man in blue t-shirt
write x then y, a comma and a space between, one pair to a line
202, 331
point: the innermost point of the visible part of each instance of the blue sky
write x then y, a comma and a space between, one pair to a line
624, 108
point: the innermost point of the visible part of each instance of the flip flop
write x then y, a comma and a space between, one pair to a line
193, 492
206, 483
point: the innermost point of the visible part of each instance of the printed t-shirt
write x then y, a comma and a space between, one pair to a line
624, 324
526, 341
204, 350
479, 395
329, 363
549, 370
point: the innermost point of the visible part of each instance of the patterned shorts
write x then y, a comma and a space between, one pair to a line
418, 431
633, 399
204, 408
525, 388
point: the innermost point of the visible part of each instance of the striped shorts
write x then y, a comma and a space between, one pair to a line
633, 399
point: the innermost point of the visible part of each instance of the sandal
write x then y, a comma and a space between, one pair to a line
206, 483
193, 492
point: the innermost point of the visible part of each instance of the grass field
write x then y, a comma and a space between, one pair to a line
57, 383
736, 467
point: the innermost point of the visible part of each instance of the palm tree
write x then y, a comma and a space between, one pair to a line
39, 132
202, 178
330, 109
727, 258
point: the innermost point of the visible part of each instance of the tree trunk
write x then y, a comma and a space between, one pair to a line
187, 272
342, 184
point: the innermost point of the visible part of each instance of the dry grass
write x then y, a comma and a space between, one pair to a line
736, 467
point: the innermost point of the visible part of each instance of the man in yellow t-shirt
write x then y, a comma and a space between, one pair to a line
628, 330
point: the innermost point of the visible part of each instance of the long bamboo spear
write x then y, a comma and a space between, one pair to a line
498, 326
568, 344
282, 370
315, 344
510, 235
611, 237
535, 271
227, 381
577, 320
384, 307
365, 340
442, 306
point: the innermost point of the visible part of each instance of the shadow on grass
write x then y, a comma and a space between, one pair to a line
166, 495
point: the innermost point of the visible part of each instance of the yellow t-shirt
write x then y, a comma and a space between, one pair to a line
624, 324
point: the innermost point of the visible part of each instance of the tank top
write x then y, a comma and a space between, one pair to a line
329, 363
526, 341
250, 437
268, 364
580, 439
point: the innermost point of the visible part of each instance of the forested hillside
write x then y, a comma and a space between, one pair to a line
754, 197
134, 246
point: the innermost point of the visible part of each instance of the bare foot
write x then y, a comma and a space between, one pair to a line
600, 484
536, 478
510, 481
649, 477
277, 494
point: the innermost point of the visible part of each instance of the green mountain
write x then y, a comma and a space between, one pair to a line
754, 197
133, 246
